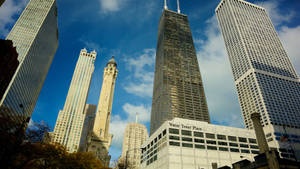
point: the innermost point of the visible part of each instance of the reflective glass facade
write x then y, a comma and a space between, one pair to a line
35, 36
178, 89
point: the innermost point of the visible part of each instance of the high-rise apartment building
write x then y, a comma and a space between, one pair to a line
134, 137
265, 79
35, 36
178, 88
100, 139
70, 120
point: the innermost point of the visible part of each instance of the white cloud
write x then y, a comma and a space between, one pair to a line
142, 84
272, 8
111, 5
9, 9
290, 38
217, 77
118, 124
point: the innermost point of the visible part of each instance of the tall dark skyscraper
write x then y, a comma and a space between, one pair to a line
178, 89
265, 79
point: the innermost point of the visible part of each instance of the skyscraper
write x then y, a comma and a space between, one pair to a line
178, 88
35, 36
134, 136
265, 79
69, 123
100, 139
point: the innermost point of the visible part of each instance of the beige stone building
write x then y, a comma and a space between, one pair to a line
70, 120
99, 140
134, 137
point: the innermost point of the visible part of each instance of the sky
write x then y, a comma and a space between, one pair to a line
127, 29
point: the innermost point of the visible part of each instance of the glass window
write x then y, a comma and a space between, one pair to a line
244, 145
187, 145
187, 139
232, 138
245, 151
172, 143
222, 143
209, 135
221, 137
199, 146
198, 134
223, 148
254, 146
164, 132
242, 139
159, 136
173, 137
173, 131
233, 144
186, 132
211, 142
251, 140
234, 150
211, 147
198, 140
254, 152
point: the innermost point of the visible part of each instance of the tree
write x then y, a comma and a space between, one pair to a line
36, 131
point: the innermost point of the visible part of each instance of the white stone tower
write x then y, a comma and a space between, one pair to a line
100, 140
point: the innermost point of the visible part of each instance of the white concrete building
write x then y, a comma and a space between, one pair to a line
265, 79
70, 120
190, 144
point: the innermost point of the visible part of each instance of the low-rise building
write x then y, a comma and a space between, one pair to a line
190, 144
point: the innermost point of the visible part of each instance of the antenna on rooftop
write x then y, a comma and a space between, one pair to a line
165, 5
178, 7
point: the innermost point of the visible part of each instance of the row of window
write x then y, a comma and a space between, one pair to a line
211, 136
208, 147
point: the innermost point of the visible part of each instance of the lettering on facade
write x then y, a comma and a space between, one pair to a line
185, 126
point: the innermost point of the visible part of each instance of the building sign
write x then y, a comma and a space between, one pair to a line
182, 126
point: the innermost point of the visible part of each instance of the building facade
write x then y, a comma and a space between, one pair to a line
134, 136
265, 79
178, 88
70, 120
88, 124
100, 139
191, 144
35, 36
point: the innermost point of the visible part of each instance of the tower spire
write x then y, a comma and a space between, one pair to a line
178, 7
165, 5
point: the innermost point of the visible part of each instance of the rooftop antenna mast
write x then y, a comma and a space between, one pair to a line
178, 7
165, 5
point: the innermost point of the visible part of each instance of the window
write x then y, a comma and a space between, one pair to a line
198, 140
231, 138
211, 148
254, 146
233, 144
234, 150
164, 132
187, 145
199, 146
254, 152
211, 142
223, 149
245, 151
244, 145
173, 137
242, 139
251, 140
186, 132
187, 139
221, 137
173, 131
172, 143
209, 135
159, 136
222, 143
198, 134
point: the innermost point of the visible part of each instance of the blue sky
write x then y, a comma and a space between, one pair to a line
127, 29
